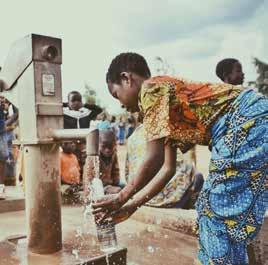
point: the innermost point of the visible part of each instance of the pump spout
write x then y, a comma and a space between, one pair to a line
91, 135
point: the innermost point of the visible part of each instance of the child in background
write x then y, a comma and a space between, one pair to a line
77, 115
109, 167
69, 169
11, 121
3, 151
230, 71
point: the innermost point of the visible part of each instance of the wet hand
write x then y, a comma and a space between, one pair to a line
107, 204
116, 216
123, 213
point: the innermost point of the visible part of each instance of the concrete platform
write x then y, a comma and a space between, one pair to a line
14, 200
178, 220
146, 244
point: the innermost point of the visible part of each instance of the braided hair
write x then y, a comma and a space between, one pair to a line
127, 62
225, 67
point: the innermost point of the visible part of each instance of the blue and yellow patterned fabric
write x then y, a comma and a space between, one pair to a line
232, 203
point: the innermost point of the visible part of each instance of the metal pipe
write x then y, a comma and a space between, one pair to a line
43, 200
91, 135
71, 134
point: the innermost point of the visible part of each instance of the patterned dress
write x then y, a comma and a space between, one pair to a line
176, 188
231, 205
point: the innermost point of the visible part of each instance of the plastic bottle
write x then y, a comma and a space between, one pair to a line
106, 233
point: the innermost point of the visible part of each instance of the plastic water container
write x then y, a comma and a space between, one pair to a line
107, 237
106, 233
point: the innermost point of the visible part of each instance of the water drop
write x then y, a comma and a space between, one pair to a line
75, 252
150, 229
150, 249
78, 232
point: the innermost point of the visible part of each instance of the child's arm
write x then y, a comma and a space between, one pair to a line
153, 162
153, 187
154, 159
167, 171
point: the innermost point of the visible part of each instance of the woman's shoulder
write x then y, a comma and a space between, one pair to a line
155, 89
162, 80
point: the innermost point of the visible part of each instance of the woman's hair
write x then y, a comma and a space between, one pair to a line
127, 62
224, 67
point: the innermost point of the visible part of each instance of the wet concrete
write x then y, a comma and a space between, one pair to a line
16, 253
14, 200
146, 244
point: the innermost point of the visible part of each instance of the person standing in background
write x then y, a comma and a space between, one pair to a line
131, 126
3, 150
121, 131
11, 117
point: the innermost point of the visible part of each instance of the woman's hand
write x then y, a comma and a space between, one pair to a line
109, 203
116, 216
123, 213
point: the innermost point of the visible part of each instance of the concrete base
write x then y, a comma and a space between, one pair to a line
14, 200
178, 220
146, 244
16, 248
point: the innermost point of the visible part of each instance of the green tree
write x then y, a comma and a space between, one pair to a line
90, 95
262, 79
162, 67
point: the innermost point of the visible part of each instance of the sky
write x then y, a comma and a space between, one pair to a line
192, 36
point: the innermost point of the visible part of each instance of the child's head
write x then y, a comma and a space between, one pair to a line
125, 76
68, 147
107, 143
74, 100
230, 71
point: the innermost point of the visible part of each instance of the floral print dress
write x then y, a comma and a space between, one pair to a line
234, 123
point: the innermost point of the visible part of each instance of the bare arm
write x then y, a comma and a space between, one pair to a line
154, 160
160, 180
149, 191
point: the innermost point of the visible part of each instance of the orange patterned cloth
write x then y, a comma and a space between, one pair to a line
183, 111
109, 170
70, 169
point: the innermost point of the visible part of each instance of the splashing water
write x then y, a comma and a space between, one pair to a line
106, 233
150, 229
78, 232
75, 252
